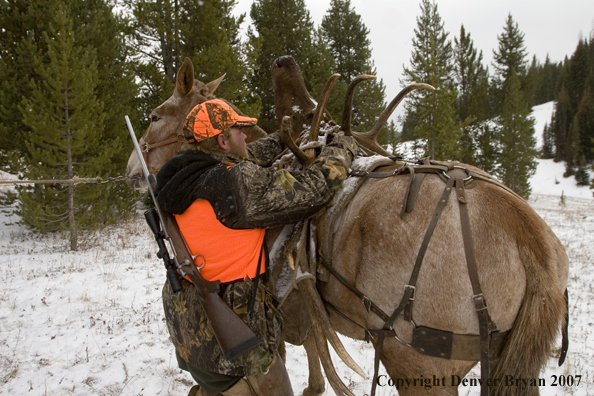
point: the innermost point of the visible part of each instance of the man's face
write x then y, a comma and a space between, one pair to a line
236, 143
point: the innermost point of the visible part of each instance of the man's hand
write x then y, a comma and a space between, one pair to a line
346, 142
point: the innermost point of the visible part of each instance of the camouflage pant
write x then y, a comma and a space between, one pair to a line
192, 335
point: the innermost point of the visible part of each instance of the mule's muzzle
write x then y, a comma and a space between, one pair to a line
137, 182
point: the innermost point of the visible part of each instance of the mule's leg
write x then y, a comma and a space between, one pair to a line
316, 383
433, 375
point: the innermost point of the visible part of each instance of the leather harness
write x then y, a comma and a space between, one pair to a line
429, 341
146, 147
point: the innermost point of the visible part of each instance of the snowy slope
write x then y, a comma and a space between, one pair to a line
91, 322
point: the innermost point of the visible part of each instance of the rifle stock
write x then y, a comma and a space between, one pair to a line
232, 334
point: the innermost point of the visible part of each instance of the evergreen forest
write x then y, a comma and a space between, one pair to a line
71, 69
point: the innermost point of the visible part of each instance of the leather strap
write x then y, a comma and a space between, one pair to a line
416, 184
369, 305
425, 244
486, 325
146, 147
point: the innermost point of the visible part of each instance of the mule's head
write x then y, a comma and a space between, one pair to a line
164, 136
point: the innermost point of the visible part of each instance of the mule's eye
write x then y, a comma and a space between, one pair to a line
154, 118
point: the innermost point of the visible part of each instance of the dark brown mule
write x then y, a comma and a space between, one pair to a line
164, 137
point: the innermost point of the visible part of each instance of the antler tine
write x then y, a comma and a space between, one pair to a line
317, 118
348, 102
321, 342
285, 135
369, 139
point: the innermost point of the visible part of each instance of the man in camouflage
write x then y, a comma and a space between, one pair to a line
224, 195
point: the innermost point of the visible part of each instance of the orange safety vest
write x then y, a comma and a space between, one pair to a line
228, 254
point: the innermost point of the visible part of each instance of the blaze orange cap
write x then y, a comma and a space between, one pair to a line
211, 118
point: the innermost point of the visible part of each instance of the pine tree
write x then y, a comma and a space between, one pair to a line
22, 23
22, 41
473, 83
471, 78
432, 115
548, 138
548, 76
561, 124
282, 27
515, 128
573, 115
516, 139
66, 122
487, 146
582, 177
347, 37
509, 59
97, 26
580, 69
531, 81
572, 148
167, 31
584, 119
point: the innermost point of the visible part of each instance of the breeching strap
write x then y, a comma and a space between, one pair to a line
486, 325
409, 289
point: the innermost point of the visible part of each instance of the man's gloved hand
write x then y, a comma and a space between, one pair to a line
346, 142
335, 159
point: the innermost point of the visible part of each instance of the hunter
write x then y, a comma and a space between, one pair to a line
224, 196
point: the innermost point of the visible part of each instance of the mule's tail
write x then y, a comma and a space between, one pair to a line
537, 325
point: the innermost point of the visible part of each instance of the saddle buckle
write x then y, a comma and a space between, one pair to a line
412, 295
479, 302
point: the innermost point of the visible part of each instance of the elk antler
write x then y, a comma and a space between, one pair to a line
348, 102
306, 158
369, 139
317, 118
285, 135
321, 343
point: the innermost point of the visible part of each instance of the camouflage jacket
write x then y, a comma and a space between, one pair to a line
247, 193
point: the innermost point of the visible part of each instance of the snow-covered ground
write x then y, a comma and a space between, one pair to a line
91, 322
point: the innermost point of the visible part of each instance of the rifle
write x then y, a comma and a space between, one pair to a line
232, 334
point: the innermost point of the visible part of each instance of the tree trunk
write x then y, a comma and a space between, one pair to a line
71, 219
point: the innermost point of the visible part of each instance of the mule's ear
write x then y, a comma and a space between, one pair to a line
214, 84
184, 81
